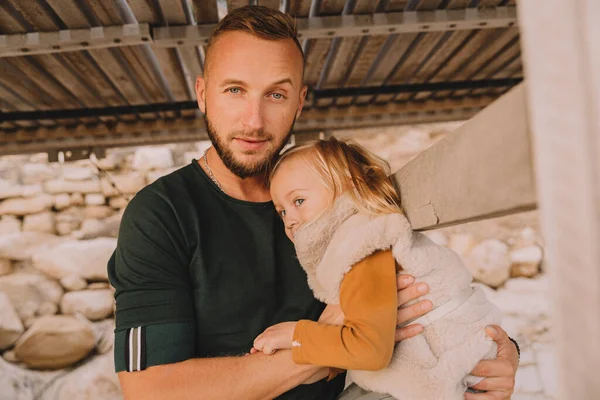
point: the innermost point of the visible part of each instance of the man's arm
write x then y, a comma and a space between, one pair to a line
155, 338
255, 376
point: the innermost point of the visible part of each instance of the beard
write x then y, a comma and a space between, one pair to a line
239, 168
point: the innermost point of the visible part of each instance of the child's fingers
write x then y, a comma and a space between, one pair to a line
253, 350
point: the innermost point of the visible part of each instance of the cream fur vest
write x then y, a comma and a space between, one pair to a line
435, 364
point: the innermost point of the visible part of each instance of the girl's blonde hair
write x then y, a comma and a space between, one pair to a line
345, 166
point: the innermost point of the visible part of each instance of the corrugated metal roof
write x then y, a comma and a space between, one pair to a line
399, 52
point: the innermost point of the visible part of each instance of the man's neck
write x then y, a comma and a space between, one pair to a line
252, 189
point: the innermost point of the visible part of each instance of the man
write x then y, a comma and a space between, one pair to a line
203, 265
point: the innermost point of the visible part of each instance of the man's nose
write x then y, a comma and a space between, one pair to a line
253, 117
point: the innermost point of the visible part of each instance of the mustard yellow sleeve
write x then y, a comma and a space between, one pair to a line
366, 339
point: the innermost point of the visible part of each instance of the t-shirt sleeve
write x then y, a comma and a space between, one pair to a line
365, 341
154, 300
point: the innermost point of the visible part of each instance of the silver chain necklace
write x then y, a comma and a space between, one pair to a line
210, 173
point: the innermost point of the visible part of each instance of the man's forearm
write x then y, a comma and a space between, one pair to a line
249, 377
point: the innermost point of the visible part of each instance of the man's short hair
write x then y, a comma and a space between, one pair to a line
260, 21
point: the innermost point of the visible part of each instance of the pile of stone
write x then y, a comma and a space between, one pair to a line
58, 228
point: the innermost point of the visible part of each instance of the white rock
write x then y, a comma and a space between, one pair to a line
57, 186
10, 189
26, 205
152, 176
462, 243
146, 158
98, 286
97, 212
87, 259
47, 308
94, 380
69, 220
29, 291
528, 380
203, 145
489, 262
10, 356
546, 359
11, 327
118, 202
22, 245
72, 173
190, 156
526, 261
522, 304
32, 190
539, 285
6, 266
437, 237
95, 199
95, 305
95, 228
62, 201
19, 383
73, 282
55, 342
77, 199
104, 331
41, 222
36, 173
10, 224
129, 183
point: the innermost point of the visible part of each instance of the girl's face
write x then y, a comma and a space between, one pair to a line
298, 193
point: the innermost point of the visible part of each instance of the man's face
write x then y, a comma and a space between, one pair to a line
251, 97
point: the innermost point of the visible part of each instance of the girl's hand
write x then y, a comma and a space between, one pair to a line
408, 291
499, 374
276, 337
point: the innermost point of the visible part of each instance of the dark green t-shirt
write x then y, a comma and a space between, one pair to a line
200, 274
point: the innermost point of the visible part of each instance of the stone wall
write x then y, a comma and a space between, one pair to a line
58, 227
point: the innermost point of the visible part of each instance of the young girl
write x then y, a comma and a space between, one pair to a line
344, 216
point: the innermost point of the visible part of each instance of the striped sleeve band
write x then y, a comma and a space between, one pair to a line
135, 349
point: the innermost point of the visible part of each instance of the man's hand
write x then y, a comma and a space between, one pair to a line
499, 374
407, 292
276, 337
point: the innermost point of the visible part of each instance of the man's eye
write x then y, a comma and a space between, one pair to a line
278, 96
234, 90
298, 202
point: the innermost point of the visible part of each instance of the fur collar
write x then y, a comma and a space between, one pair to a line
329, 246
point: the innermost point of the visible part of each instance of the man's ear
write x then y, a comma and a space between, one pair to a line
201, 93
301, 102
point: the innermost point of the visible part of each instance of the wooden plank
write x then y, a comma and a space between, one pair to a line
206, 11
481, 170
315, 59
397, 5
411, 64
173, 13
332, 7
273, 4
428, 5
233, 4
365, 7
34, 14
172, 71
562, 60
450, 43
457, 4
299, 8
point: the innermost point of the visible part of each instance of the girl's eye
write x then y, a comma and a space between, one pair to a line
282, 213
298, 202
